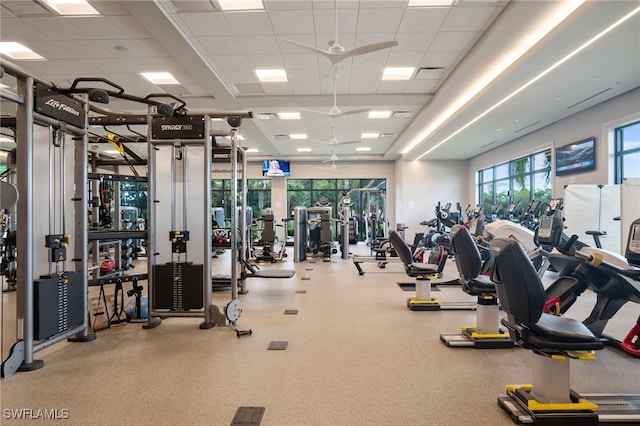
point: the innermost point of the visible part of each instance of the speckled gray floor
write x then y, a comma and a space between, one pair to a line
356, 356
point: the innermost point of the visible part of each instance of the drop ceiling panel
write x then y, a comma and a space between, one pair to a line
287, 4
304, 88
325, 21
453, 41
410, 42
440, 59
420, 20
129, 26
206, 24
219, 45
467, 18
300, 61
87, 49
52, 49
301, 75
109, 8
97, 27
259, 44
58, 28
369, 20
277, 89
249, 22
291, 22
14, 29
265, 61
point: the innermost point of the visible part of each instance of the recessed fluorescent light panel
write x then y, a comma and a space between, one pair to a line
72, 7
303, 149
369, 135
398, 73
271, 76
252, 150
18, 51
289, 115
160, 77
227, 5
424, 3
363, 149
379, 114
298, 135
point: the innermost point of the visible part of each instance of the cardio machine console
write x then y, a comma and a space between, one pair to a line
632, 252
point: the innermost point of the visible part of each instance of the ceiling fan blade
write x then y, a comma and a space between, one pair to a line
344, 143
327, 113
369, 48
310, 48
350, 112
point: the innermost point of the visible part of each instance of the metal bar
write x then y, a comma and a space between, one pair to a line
151, 226
81, 228
11, 97
127, 178
191, 314
48, 121
59, 337
234, 217
117, 235
24, 136
246, 227
207, 225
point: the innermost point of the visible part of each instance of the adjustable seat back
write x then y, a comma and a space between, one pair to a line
469, 263
402, 248
520, 291
268, 233
468, 260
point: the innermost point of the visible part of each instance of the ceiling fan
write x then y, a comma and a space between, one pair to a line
334, 140
336, 112
337, 52
332, 160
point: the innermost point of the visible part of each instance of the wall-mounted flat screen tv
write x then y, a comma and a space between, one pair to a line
275, 168
576, 157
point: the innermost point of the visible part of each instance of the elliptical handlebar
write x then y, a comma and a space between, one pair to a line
597, 259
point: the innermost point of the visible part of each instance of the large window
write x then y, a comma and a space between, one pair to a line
627, 151
523, 179
258, 195
367, 195
134, 194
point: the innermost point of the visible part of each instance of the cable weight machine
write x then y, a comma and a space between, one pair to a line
179, 173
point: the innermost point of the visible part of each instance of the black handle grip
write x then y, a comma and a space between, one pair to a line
568, 248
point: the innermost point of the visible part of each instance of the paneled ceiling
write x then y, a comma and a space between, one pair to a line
455, 104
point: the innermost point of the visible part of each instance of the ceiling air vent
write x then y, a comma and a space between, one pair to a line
429, 73
281, 137
589, 98
402, 114
526, 127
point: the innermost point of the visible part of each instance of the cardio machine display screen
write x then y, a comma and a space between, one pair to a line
545, 228
634, 243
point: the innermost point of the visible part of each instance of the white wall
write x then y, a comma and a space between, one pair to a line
594, 121
424, 184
